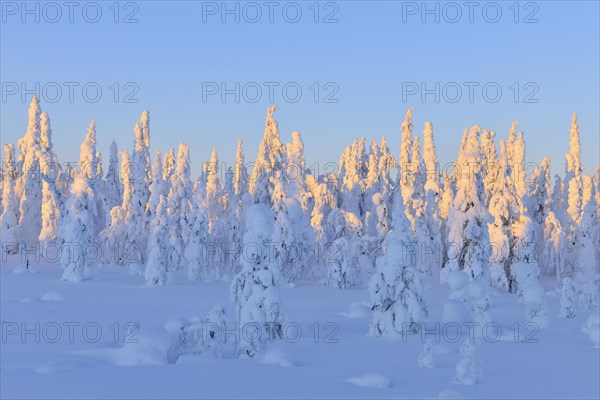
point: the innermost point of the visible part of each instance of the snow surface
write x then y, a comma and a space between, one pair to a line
344, 363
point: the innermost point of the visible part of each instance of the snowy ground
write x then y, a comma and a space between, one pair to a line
343, 362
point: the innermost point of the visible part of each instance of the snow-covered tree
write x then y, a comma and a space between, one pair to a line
157, 187
293, 236
525, 272
215, 212
136, 217
572, 182
586, 264
468, 219
197, 263
567, 298
324, 202
386, 163
30, 185
405, 161
255, 290
426, 356
271, 158
51, 170
120, 244
168, 169
468, 369
503, 206
157, 271
179, 208
77, 230
10, 204
240, 179
89, 164
344, 231
296, 168
50, 218
113, 188
396, 289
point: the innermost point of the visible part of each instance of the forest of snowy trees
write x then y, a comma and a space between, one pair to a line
381, 221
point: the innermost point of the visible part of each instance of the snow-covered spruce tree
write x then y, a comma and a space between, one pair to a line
490, 160
567, 298
77, 230
137, 219
325, 201
89, 164
195, 250
573, 181
432, 187
428, 256
352, 184
120, 246
518, 167
554, 250
447, 199
525, 272
558, 203
50, 219
10, 204
468, 238
377, 227
538, 202
344, 231
271, 158
433, 197
157, 185
30, 221
29, 187
386, 163
235, 211
405, 160
293, 237
113, 188
468, 369
283, 234
396, 289
295, 173
157, 271
50, 167
217, 228
589, 299
255, 290
29, 145
168, 169
504, 208
179, 209
586, 264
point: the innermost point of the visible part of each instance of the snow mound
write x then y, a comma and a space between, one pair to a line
592, 329
370, 380
60, 366
32, 299
357, 310
22, 268
449, 395
54, 296
276, 357
149, 346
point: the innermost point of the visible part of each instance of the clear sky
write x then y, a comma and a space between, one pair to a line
369, 61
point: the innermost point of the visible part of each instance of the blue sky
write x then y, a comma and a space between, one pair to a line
373, 50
